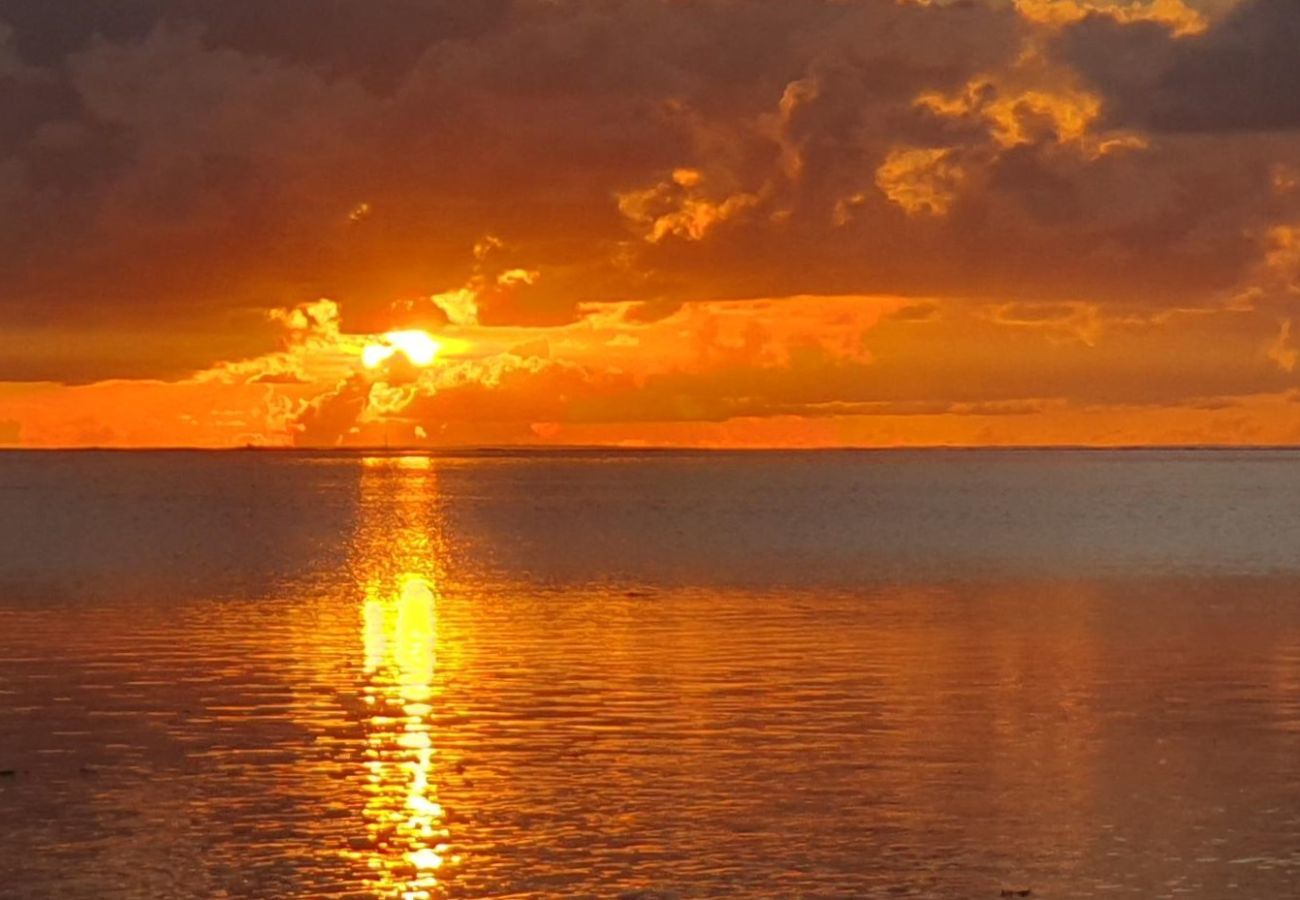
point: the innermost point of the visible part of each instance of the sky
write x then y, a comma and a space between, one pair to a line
712, 223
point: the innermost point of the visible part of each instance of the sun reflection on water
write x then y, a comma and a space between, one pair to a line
407, 842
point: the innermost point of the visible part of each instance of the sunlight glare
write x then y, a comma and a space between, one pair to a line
418, 346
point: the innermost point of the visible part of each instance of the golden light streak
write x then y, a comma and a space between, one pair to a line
409, 847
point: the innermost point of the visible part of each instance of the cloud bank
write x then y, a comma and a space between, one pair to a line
642, 220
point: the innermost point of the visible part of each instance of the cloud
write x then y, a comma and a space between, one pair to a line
1181, 17
680, 207
1236, 76
280, 378
639, 213
371, 42
921, 181
713, 366
1282, 350
178, 165
815, 358
186, 228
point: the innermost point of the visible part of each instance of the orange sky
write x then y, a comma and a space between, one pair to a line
714, 224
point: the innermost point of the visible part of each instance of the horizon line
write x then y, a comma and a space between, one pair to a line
452, 450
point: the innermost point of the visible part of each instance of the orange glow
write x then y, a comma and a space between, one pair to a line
795, 371
417, 346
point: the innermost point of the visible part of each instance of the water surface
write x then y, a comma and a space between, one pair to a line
677, 675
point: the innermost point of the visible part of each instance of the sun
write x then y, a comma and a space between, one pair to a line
418, 346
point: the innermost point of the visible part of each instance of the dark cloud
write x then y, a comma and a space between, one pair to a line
171, 161
46, 31
327, 419
185, 166
373, 41
1237, 76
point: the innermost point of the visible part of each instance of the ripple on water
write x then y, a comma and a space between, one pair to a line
392, 716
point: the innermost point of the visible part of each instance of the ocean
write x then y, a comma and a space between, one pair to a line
650, 674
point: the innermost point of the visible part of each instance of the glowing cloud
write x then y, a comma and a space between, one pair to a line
924, 180
1174, 14
679, 208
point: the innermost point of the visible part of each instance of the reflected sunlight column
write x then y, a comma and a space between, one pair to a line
396, 558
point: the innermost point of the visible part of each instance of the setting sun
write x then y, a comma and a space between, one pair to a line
417, 346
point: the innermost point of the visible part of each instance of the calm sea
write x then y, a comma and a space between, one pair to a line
650, 675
